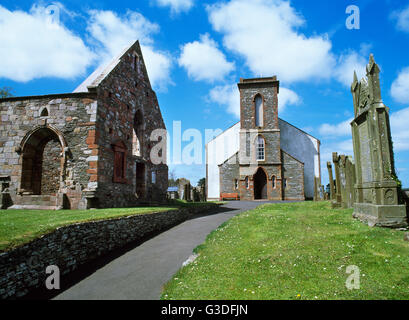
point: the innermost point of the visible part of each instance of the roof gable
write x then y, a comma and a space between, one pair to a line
103, 71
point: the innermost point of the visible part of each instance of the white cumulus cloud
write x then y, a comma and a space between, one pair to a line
204, 61
336, 130
33, 45
400, 87
401, 17
266, 33
176, 6
347, 64
113, 32
287, 97
400, 129
228, 96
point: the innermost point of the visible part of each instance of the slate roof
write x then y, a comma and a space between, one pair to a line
101, 72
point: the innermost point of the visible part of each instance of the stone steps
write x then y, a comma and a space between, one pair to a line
35, 202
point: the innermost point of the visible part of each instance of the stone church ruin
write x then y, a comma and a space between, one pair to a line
86, 149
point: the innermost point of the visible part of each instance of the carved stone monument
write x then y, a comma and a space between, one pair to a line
336, 203
331, 181
377, 192
343, 180
350, 180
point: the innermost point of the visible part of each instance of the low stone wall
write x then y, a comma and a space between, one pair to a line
69, 247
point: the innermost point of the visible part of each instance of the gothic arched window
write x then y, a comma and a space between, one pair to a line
259, 110
260, 148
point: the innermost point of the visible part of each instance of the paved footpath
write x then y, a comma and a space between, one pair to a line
141, 273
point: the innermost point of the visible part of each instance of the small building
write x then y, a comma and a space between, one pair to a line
262, 156
173, 193
88, 149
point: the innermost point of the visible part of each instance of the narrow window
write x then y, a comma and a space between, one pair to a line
259, 111
153, 177
236, 184
44, 113
285, 183
135, 61
260, 149
247, 183
273, 182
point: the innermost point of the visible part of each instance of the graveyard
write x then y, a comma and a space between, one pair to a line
309, 250
255, 151
296, 251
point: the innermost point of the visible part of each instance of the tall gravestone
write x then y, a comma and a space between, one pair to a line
377, 193
331, 181
350, 180
343, 180
336, 203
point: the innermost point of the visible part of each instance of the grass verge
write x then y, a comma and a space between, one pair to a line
295, 251
21, 226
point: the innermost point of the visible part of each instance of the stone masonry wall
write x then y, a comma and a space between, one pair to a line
293, 172
229, 172
127, 105
50, 178
23, 268
73, 115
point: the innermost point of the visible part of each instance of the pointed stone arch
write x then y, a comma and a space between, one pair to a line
43, 161
260, 179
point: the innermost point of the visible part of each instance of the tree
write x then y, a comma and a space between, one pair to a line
172, 181
202, 183
6, 92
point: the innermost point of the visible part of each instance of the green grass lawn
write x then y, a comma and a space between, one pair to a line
295, 251
21, 226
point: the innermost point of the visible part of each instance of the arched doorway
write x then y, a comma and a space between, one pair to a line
42, 161
260, 185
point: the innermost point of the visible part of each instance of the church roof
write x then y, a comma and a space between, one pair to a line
101, 72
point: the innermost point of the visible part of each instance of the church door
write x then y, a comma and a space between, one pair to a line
260, 185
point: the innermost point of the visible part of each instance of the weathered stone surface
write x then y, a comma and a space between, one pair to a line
68, 143
377, 193
331, 181
336, 203
276, 175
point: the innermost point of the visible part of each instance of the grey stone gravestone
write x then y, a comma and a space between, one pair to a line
377, 201
336, 203
331, 181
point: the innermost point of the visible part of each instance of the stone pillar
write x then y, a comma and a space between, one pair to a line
336, 203
343, 180
378, 200
5, 197
331, 181
350, 181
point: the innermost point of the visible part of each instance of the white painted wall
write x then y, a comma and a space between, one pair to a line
219, 150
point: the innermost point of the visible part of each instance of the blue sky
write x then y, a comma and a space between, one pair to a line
196, 52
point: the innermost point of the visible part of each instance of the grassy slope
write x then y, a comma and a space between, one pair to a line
295, 251
21, 226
